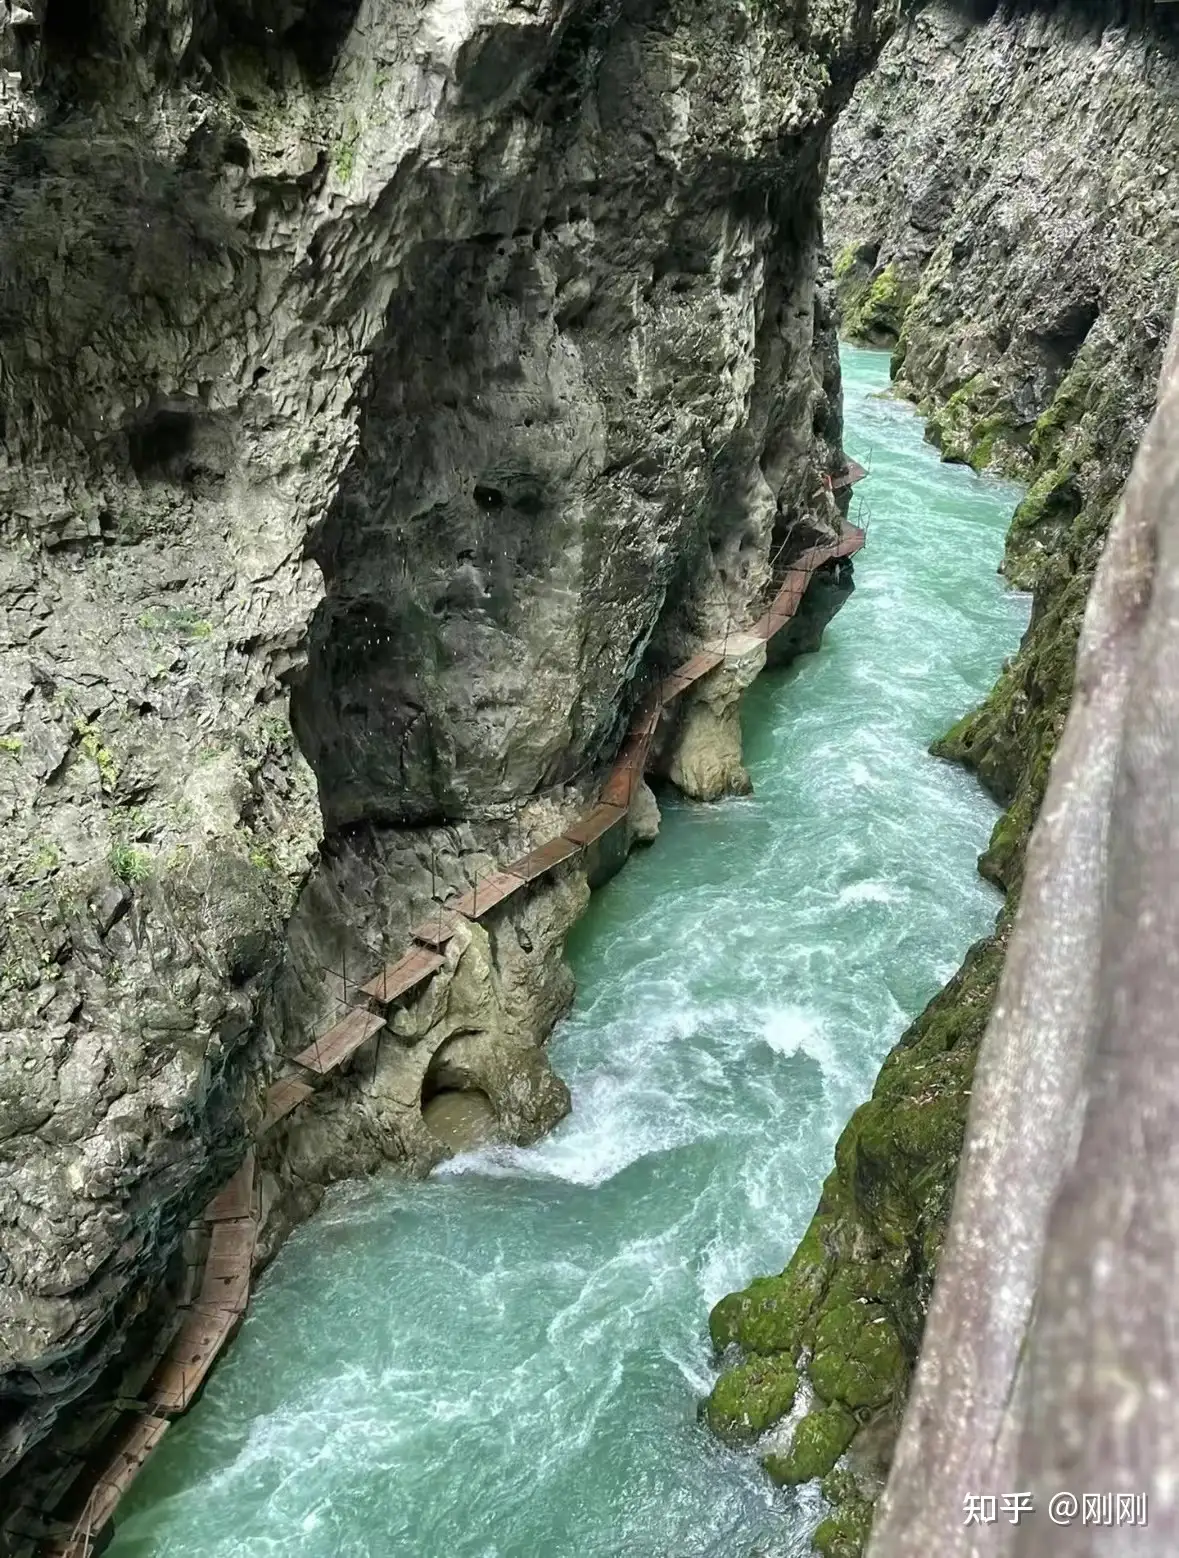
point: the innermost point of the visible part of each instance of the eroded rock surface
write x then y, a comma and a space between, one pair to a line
474, 359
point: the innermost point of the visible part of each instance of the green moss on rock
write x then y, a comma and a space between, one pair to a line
1040, 523
751, 1398
874, 310
858, 1355
976, 427
845, 1531
818, 1442
771, 1314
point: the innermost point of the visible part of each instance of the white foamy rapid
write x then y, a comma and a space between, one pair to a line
505, 1362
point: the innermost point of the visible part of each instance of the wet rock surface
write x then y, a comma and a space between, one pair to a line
441, 373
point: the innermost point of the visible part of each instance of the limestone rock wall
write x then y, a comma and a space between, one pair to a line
1003, 207
442, 370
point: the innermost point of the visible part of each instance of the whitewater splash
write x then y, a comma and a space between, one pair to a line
505, 1362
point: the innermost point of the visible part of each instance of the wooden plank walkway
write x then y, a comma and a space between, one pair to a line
486, 894
212, 1316
339, 1042
543, 859
237, 1199
437, 928
281, 1099
398, 979
855, 472
221, 1302
592, 826
129, 1450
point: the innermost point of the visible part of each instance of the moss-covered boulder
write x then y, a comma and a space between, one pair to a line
845, 1531
817, 1443
858, 1355
750, 1398
976, 426
873, 306
771, 1314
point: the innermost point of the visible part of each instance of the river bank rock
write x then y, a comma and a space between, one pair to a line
998, 184
389, 399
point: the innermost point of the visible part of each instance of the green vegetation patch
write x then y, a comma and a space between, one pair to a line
845, 1531
175, 621
129, 864
975, 427
91, 743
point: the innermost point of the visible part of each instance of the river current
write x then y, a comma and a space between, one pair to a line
505, 1361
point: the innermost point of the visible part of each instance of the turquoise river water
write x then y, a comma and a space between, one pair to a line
505, 1361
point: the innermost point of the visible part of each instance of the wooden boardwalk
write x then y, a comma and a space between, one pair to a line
206, 1324
340, 1042
231, 1217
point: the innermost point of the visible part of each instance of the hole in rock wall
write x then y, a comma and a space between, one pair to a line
488, 497
71, 29
181, 444
161, 442
1060, 343
319, 35
454, 1108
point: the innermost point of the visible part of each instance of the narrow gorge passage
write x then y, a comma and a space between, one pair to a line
504, 1362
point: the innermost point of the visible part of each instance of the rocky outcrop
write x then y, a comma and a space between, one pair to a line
1002, 200
387, 397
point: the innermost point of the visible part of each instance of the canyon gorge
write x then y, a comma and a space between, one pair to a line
392, 398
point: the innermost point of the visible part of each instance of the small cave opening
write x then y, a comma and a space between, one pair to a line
236, 152
1064, 337
455, 1109
488, 498
178, 442
318, 36
71, 30
159, 443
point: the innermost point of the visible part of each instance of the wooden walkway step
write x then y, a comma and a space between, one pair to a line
130, 1449
225, 1282
201, 1337
397, 979
855, 472
627, 772
543, 859
224, 1295
281, 1099
647, 719
594, 824
486, 893
437, 928
236, 1198
337, 1044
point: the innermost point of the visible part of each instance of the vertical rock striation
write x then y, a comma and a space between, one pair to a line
385, 394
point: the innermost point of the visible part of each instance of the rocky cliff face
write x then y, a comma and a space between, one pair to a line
1002, 202
454, 367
